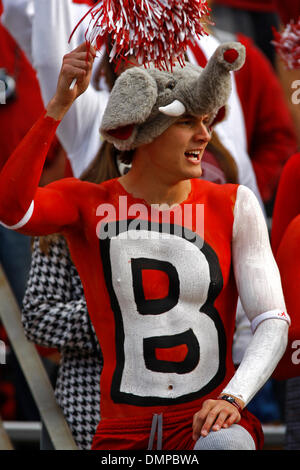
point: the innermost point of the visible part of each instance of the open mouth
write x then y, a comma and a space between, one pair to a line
193, 156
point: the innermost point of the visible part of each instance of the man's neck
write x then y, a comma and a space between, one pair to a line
155, 190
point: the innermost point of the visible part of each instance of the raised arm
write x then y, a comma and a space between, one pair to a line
54, 310
53, 22
20, 198
42, 29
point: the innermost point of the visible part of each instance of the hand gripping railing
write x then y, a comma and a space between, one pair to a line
33, 370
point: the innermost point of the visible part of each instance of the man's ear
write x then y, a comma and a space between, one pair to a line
130, 104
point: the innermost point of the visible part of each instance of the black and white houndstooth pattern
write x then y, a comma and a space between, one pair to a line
55, 315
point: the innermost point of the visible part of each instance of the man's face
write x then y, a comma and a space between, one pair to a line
176, 154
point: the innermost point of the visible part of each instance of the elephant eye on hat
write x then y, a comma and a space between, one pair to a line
145, 102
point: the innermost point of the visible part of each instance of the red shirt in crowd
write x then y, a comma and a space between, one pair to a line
270, 131
252, 5
288, 10
286, 246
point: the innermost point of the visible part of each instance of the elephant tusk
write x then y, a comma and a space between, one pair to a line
176, 108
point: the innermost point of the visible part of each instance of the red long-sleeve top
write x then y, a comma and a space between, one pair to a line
288, 10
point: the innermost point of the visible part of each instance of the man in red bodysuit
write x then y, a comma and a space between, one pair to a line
161, 292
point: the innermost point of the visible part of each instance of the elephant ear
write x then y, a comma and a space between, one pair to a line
220, 116
131, 101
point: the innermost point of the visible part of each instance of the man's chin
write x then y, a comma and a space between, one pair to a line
196, 173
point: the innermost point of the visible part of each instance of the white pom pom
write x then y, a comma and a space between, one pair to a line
156, 31
287, 44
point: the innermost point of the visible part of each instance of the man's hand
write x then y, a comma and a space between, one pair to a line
214, 415
77, 65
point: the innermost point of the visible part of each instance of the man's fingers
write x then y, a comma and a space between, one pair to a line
197, 425
78, 60
233, 418
74, 72
214, 415
80, 64
84, 47
199, 418
222, 417
76, 67
210, 420
79, 56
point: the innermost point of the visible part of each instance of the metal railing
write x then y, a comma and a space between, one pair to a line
23, 431
29, 432
34, 372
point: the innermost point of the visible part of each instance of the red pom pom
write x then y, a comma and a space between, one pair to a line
156, 31
230, 55
287, 44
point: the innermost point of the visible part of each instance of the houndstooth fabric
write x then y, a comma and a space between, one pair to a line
55, 315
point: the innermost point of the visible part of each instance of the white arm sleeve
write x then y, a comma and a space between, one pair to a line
242, 334
53, 23
259, 285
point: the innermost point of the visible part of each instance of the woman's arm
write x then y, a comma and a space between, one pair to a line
54, 310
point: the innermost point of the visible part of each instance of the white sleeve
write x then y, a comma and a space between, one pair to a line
17, 19
242, 334
53, 23
259, 285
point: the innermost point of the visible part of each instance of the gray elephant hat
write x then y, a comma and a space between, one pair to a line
145, 102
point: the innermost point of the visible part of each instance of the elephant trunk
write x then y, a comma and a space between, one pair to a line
212, 89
